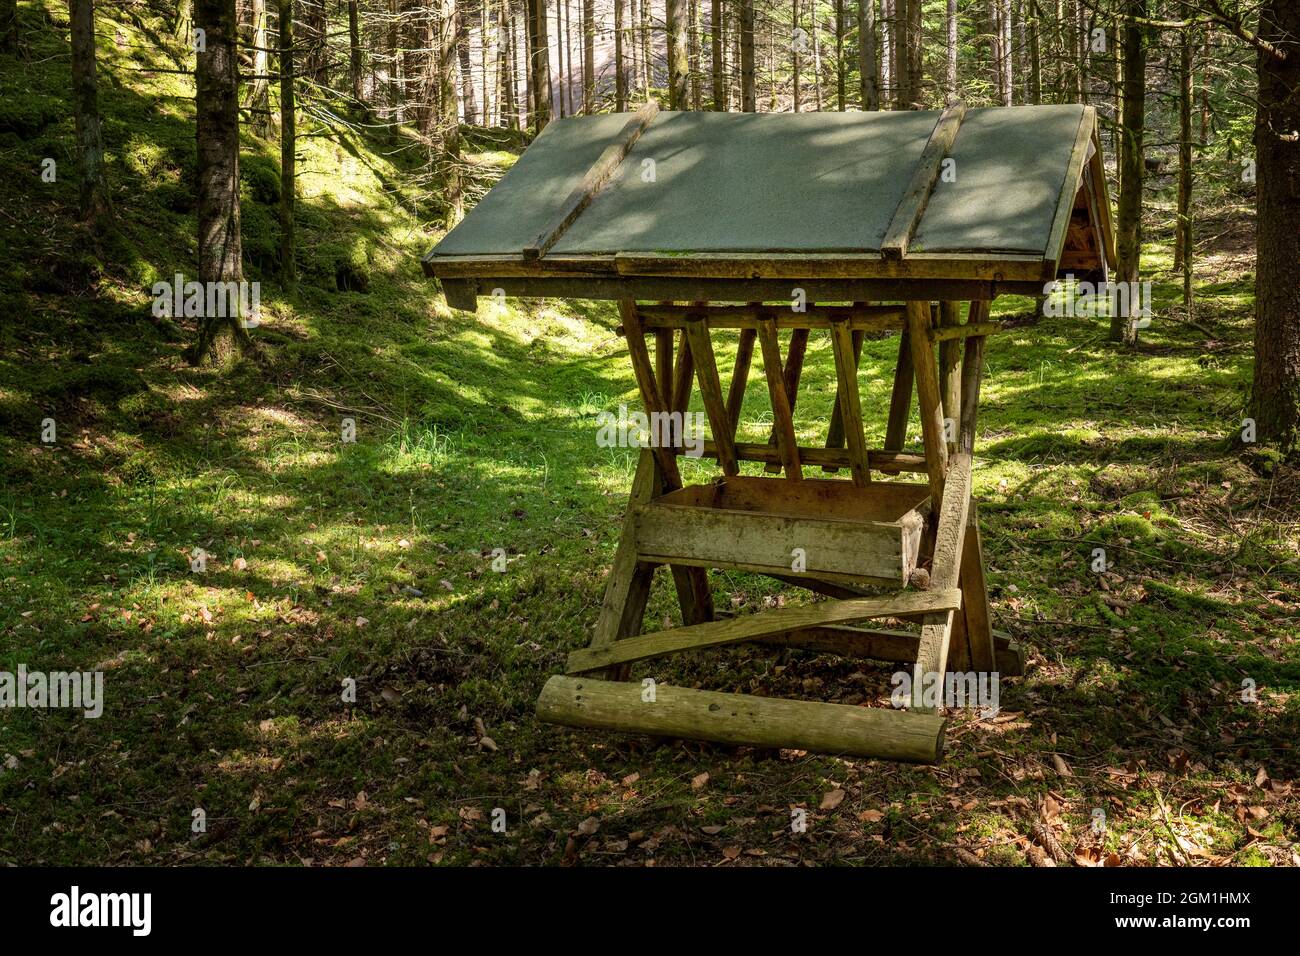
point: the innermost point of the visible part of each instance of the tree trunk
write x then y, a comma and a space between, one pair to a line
1128, 227
354, 51
620, 78
868, 64
259, 87
1183, 215
1275, 393
288, 146
566, 57
221, 337
841, 68
449, 47
693, 60
588, 56
94, 199
540, 64
796, 47
748, 94
950, 65
467, 95
715, 42
506, 61
675, 27
1035, 60
914, 53
888, 62
318, 44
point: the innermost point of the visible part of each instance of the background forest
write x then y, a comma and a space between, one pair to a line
320, 149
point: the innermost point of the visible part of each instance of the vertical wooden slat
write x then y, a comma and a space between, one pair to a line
972, 371
683, 375
949, 376
835, 433
927, 396
900, 403
793, 372
664, 363
740, 376
782, 418
645, 378
715, 406
846, 372
945, 568
975, 598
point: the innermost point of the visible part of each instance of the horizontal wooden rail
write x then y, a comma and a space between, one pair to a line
859, 319
892, 461
948, 332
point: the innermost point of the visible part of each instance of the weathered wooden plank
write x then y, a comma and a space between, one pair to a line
846, 374
731, 539
927, 395
715, 406
794, 357
900, 401
835, 433
972, 371
945, 569
781, 264
966, 330
741, 719
917, 196
645, 378
949, 372
975, 598
883, 318
740, 376
752, 626
887, 461
787, 442
886, 501
593, 181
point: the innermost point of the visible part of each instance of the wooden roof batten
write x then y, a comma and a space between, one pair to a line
896, 271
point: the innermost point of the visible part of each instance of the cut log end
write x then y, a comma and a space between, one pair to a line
741, 719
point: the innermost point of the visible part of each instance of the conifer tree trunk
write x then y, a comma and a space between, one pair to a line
719, 70
1128, 226
748, 94
675, 28
95, 204
868, 62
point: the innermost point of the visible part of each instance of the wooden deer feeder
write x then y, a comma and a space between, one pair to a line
854, 223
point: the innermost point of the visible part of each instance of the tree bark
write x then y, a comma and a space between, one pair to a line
259, 86
795, 49
914, 52
354, 51
950, 65
620, 78
693, 49
1275, 392
467, 95
868, 62
94, 203
448, 134
288, 147
719, 70
540, 64
588, 56
841, 68
675, 27
1183, 216
222, 338
1035, 60
748, 94
1128, 226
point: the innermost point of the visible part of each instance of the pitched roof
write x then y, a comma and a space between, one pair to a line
732, 195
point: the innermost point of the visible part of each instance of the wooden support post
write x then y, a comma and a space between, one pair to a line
740, 377
900, 402
645, 378
975, 599
627, 589
927, 396
835, 433
782, 417
741, 719
715, 406
793, 373
945, 571
972, 371
949, 376
846, 372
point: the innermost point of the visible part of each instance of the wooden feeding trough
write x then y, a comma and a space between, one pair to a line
777, 228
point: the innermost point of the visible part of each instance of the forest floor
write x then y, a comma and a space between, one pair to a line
372, 560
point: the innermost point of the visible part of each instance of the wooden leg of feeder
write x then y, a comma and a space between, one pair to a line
846, 371
782, 418
741, 719
900, 403
627, 589
715, 406
975, 599
740, 377
927, 396
651, 397
950, 374
793, 372
936, 628
835, 433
